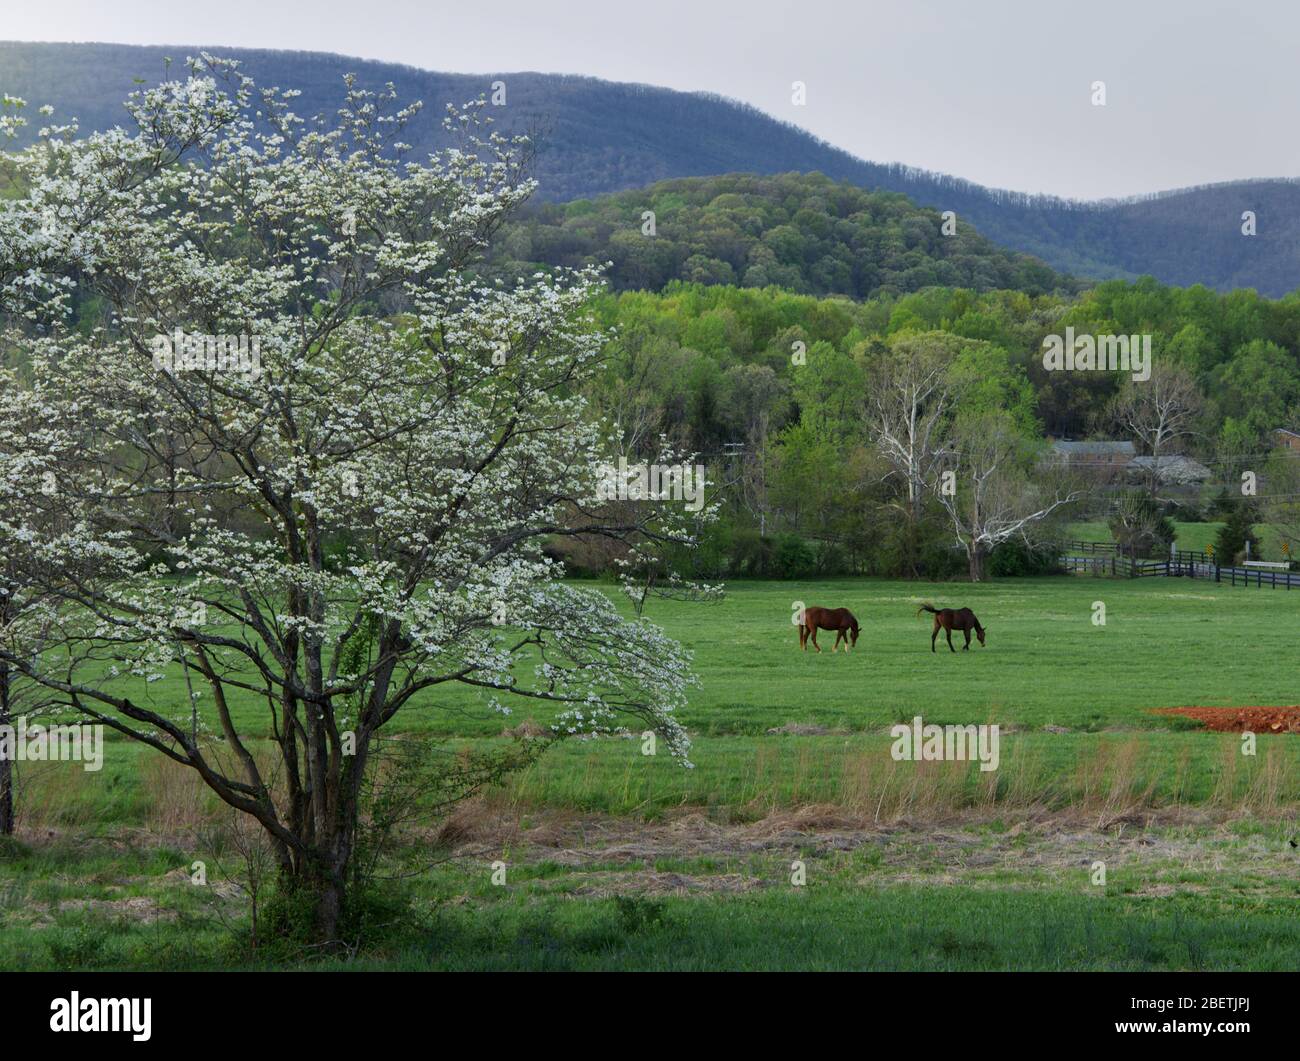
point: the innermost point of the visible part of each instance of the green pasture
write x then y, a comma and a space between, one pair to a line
910, 866
1071, 696
1165, 643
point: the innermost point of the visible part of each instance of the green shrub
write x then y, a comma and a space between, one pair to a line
1018, 559
1230, 544
792, 558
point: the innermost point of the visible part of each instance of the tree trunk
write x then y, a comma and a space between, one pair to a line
327, 894
911, 549
6, 798
976, 554
6, 764
321, 875
317, 885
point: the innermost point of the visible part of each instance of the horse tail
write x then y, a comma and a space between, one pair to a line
927, 607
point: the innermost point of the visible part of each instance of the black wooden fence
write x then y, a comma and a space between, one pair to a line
1254, 576
1089, 548
1116, 566
1104, 559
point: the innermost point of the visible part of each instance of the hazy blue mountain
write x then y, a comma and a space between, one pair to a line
602, 136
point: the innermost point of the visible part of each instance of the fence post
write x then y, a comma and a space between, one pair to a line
1216, 572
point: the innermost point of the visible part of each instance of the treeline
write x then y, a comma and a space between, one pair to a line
801, 232
1242, 350
773, 388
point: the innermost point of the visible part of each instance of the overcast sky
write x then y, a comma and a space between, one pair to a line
997, 91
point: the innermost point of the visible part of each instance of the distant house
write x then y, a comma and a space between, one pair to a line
1287, 439
1171, 470
1101, 455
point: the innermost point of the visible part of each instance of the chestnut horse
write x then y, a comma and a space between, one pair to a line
838, 619
949, 620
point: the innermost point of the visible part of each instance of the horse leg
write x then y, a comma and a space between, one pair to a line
948, 630
814, 639
933, 634
837, 641
966, 647
803, 637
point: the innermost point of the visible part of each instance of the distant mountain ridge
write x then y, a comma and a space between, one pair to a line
606, 136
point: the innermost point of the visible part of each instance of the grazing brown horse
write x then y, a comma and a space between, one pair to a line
838, 619
948, 620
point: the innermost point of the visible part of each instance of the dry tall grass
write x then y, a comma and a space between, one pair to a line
1110, 779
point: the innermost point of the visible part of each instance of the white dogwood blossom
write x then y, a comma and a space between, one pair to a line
268, 420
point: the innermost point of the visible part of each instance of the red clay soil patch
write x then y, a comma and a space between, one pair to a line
1240, 719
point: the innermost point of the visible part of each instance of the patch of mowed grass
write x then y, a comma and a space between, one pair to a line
1166, 642
887, 929
72, 903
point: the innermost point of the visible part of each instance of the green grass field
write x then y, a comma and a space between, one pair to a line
1165, 642
616, 859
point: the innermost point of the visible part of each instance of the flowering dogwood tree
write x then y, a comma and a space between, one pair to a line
273, 428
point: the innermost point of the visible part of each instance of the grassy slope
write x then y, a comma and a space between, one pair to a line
1191, 536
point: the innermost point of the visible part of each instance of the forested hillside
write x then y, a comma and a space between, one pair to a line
600, 137
804, 233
